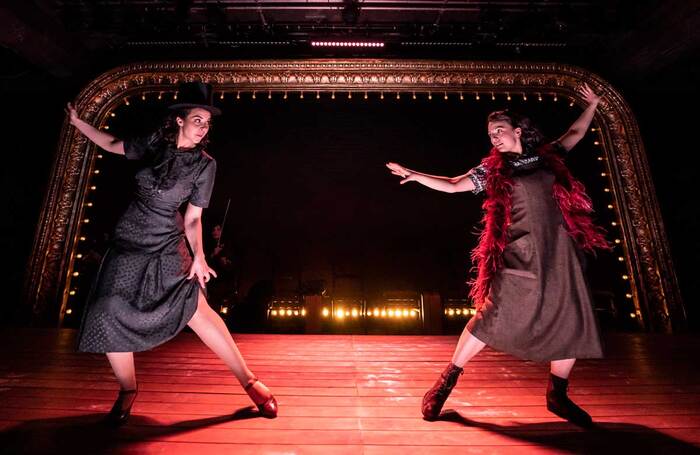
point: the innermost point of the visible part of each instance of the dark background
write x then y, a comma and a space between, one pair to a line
306, 178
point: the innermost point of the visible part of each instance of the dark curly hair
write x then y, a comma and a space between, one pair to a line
530, 138
169, 129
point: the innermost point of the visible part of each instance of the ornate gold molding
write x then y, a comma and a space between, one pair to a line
655, 290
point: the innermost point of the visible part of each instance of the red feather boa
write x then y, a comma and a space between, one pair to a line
571, 197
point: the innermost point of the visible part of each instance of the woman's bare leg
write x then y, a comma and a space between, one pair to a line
562, 368
213, 332
467, 347
123, 366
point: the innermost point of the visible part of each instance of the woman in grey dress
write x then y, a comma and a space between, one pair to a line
152, 280
531, 294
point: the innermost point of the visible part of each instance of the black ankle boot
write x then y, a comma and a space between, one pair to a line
435, 398
560, 404
121, 410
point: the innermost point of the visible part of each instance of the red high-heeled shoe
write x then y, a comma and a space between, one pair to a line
262, 397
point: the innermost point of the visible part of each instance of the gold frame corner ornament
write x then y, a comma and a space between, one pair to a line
653, 279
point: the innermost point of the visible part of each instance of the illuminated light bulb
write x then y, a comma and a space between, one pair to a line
571, 104
477, 97
79, 256
349, 95
365, 95
273, 312
610, 206
86, 220
405, 312
254, 95
76, 273
318, 95
220, 96
97, 171
69, 311
414, 95
285, 95
508, 96
621, 259
415, 314
603, 174
296, 312
112, 114
289, 312
93, 187
354, 312
493, 97
633, 315
618, 241
461, 96
625, 277
301, 95
629, 296
269, 94
614, 223
224, 310
238, 95
555, 98
71, 293
126, 101
381, 95
524, 97
458, 311
446, 95
106, 127
325, 312
89, 204
303, 311
376, 312
99, 156
340, 313
539, 97
596, 143
451, 312
332, 95
391, 313
607, 190
175, 96
465, 311
160, 95
143, 97
398, 96
383, 313
82, 239
430, 96
600, 158
593, 129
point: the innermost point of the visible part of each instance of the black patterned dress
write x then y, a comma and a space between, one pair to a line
539, 306
141, 296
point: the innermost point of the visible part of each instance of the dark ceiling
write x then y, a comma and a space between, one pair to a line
74, 37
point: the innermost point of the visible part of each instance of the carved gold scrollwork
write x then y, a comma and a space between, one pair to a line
655, 290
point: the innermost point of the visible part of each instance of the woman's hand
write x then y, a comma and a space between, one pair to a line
72, 113
588, 94
201, 270
401, 171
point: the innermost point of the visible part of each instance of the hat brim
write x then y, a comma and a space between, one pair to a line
212, 110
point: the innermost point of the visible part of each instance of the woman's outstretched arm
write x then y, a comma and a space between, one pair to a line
580, 126
445, 184
100, 138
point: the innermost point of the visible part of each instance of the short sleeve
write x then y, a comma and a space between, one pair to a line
478, 177
203, 185
139, 147
558, 148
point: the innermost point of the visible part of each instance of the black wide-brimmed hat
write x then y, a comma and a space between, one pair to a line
196, 94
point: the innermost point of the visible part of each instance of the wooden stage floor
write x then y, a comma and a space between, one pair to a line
345, 394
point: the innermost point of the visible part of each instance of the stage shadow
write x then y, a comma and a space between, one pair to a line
602, 438
89, 434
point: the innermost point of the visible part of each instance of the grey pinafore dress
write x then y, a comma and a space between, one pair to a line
540, 306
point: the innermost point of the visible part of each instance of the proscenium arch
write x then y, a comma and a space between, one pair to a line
653, 284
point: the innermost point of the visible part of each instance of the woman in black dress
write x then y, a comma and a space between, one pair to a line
152, 280
531, 294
